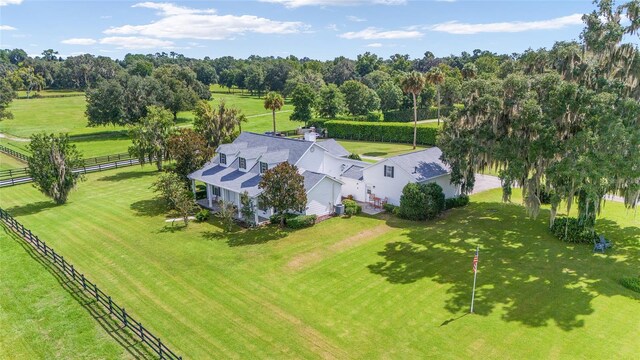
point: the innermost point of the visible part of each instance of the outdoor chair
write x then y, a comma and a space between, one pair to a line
604, 242
598, 246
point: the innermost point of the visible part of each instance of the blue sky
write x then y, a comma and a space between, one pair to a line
321, 29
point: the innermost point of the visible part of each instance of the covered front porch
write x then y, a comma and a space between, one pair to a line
215, 194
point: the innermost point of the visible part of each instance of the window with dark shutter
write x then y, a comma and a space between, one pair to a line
223, 159
242, 162
388, 171
263, 167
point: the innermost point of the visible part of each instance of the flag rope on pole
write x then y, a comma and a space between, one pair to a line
475, 275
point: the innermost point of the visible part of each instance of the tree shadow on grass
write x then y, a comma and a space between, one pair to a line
121, 335
245, 237
532, 276
32, 208
149, 207
375, 153
127, 175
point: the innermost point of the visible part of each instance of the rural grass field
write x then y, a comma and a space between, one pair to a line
9, 162
364, 287
377, 149
39, 318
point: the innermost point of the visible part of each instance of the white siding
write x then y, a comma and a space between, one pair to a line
355, 188
386, 187
312, 159
323, 197
444, 182
335, 166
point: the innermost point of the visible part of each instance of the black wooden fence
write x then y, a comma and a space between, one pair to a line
20, 176
116, 311
15, 154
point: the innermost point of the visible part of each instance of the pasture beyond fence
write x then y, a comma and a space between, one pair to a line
20, 176
116, 311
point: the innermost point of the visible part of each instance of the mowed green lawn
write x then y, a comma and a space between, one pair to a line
9, 162
42, 320
363, 287
66, 115
378, 149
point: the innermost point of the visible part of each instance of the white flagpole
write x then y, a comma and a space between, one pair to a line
475, 275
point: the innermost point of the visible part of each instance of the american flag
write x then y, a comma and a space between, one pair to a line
475, 262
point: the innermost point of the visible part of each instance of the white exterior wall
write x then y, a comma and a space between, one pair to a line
312, 159
335, 166
323, 197
355, 188
448, 189
386, 187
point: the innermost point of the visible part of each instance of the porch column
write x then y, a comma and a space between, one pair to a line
255, 213
209, 196
238, 205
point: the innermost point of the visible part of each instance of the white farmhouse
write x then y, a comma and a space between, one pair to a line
328, 173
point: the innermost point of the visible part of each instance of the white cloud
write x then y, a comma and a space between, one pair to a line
10, 2
134, 42
372, 33
455, 27
300, 3
374, 45
79, 41
355, 18
106, 17
332, 27
7, 28
184, 23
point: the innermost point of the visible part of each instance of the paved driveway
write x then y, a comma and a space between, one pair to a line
485, 182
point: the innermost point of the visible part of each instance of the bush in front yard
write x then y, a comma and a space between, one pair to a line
301, 221
202, 215
390, 208
570, 230
421, 201
351, 207
460, 201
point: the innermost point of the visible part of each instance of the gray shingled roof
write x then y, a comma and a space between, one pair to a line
250, 145
333, 147
423, 164
354, 172
311, 179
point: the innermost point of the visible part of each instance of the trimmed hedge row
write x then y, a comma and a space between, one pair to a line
382, 131
406, 115
572, 231
293, 221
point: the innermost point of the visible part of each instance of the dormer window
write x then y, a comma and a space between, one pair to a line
263, 167
242, 163
388, 171
223, 159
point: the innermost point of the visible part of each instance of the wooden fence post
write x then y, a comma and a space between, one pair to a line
160, 348
84, 285
95, 289
124, 317
141, 330
110, 305
73, 273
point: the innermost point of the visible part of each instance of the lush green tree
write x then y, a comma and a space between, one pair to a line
51, 165
436, 77
171, 190
205, 72
413, 83
303, 99
359, 99
7, 94
283, 189
274, 102
248, 209
178, 88
50, 55
151, 135
276, 75
141, 68
367, 63
390, 96
309, 77
375, 79
216, 124
340, 70
189, 151
227, 78
226, 212
254, 79
400, 63
330, 101
25, 78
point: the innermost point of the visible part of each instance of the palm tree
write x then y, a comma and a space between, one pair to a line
435, 76
273, 101
413, 84
469, 71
